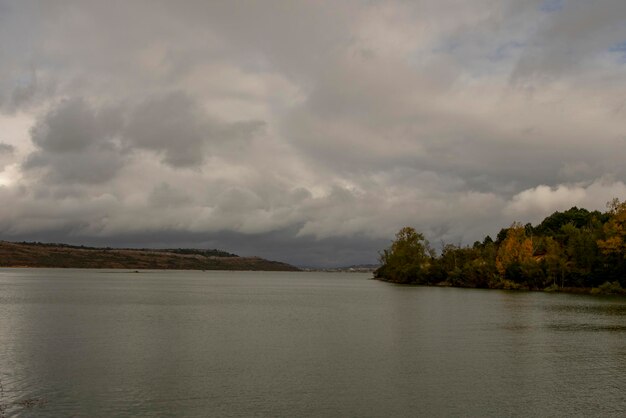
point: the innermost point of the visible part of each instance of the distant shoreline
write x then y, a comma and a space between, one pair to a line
43, 255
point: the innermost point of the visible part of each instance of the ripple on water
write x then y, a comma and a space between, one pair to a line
81, 343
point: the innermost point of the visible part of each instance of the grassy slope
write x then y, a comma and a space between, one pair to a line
58, 255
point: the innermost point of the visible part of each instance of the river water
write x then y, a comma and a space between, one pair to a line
95, 343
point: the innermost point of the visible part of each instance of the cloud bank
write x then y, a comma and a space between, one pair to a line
308, 132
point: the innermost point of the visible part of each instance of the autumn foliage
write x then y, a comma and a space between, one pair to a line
572, 249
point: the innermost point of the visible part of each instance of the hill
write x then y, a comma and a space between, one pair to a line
30, 254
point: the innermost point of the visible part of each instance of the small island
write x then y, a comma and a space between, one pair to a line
35, 254
574, 251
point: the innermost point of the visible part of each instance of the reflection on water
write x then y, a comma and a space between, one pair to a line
91, 343
609, 306
587, 327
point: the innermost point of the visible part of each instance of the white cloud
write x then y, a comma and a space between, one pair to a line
532, 205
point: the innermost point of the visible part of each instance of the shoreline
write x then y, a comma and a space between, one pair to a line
141, 269
592, 291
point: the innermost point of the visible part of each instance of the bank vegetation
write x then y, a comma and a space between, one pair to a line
575, 250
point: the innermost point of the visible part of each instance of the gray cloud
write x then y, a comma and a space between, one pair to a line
170, 125
176, 126
76, 144
94, 165
575, 37
304, 131
79, 143
6, 154
70, 127
6, 148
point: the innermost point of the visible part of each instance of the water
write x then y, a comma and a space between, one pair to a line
85, 343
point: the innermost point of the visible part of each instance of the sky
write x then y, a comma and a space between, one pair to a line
308, 132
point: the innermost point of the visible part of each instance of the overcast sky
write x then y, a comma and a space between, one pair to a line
305, 131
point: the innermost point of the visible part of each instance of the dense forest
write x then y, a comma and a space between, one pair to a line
572, 250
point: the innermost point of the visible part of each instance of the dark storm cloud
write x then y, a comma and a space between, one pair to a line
76, 144
176, 126
96, 164
72, 126
305, 131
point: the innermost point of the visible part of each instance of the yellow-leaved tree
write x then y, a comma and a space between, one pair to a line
614, 243
516, 248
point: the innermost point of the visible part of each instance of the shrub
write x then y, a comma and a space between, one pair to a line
608, 288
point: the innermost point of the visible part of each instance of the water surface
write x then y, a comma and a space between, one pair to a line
87, 343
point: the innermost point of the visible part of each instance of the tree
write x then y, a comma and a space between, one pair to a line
408, 258
613, 246
516, 249
555, 262
615, 230
575, 248
575, 216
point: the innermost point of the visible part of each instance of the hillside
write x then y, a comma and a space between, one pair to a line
14, 254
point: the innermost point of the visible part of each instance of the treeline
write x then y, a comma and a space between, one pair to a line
188, 251
568, 250
193, 251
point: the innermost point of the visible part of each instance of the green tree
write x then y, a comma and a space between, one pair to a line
408, 258
555, 262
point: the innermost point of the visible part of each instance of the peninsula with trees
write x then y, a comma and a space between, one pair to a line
576, 250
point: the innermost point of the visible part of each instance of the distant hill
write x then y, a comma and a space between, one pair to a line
35, 254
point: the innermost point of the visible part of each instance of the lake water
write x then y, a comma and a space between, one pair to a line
92, 343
